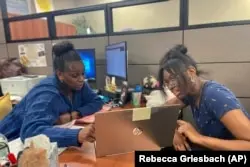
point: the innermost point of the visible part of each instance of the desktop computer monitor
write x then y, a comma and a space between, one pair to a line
88, 59
116, 60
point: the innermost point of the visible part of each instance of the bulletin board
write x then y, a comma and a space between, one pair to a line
32, 55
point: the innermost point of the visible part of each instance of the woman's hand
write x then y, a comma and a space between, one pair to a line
67, 117
189, 131
75, 115
63, 119
180, 143
87, 134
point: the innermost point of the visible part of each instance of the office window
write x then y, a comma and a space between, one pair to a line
216, 11
26, 7
148, 16
87, 23
29, 29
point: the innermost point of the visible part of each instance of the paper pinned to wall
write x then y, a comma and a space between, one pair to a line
22, 50
140, 114
44, 6
32, 55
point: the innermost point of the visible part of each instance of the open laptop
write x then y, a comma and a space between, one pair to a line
117, 133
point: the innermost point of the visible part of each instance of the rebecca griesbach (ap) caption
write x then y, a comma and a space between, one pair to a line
191, 158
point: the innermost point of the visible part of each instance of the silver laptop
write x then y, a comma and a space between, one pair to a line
118, 133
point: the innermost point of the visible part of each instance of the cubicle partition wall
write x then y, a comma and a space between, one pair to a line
12, 49
3, 48
217, 36
221, 47
223, 54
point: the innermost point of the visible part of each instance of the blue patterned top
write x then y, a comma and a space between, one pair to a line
216, 100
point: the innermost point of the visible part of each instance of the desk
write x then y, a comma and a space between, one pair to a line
85, 156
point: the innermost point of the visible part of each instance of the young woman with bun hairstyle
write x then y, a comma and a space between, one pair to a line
222, 122
58, 99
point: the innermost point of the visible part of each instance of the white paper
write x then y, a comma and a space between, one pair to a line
70, 125
22, 50
16, 146
77, 127
32, 55
67, 125
61, 150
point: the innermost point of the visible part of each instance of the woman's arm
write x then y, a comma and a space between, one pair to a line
175, 101
41, 114
239, 125
225, 107
91, 103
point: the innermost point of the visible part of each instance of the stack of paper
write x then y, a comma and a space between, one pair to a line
16, 145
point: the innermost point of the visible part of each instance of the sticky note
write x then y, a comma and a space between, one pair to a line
141, 114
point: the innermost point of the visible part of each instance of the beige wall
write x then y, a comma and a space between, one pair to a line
0, 13
156, 15
2, 33
212, 11
81, 3
3, 51
3, 48
57, 4
64, 4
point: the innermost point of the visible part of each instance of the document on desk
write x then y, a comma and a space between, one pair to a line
141, 114
67, 125
91, 118
16, 146
70, 125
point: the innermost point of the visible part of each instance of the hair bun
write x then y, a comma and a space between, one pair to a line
181, 48
62, 47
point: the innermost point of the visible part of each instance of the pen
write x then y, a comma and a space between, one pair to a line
180, 115
12, 158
